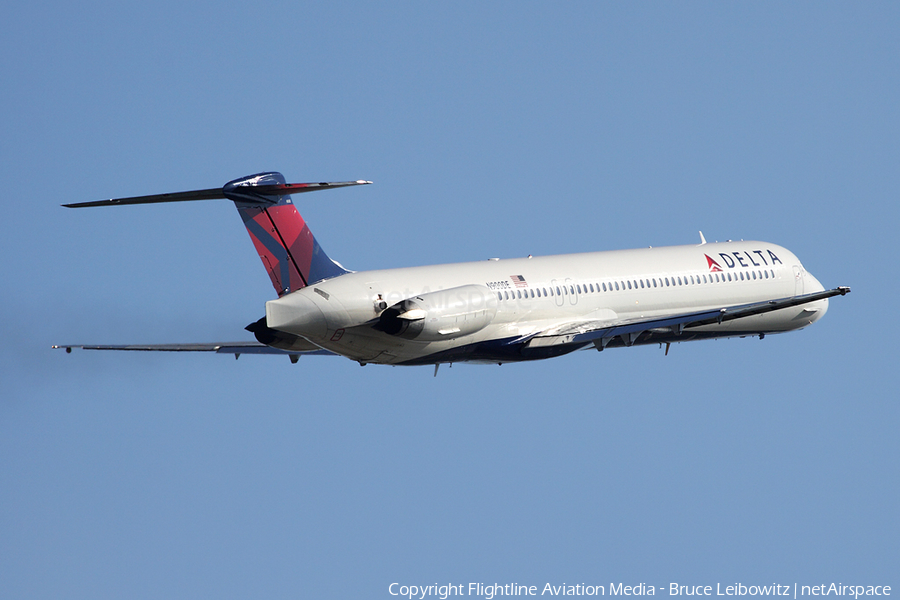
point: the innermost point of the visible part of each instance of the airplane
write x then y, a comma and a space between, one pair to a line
496, 311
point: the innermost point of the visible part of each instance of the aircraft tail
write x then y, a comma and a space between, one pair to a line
289, 251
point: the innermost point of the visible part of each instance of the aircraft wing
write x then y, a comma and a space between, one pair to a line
236, 348
629, 329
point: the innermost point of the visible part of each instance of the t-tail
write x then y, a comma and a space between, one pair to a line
288, 249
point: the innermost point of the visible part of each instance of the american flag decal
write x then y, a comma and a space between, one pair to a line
519, 281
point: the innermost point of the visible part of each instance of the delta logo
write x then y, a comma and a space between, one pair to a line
713, 265
743, 259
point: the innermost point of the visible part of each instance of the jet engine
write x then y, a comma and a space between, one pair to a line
279, 339
440, 315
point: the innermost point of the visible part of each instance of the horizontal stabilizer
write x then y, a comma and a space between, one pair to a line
259, 192
289, 252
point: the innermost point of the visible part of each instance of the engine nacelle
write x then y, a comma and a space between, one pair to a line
279, 339
441, 315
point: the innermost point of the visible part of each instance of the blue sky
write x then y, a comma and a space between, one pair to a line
500, 129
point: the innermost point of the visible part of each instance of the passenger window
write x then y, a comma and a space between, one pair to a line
667, 282
506, 294
499, 296
767, 274
654, 282
642, 284
729, 277
532, 293
604, 286
629, 285
579, 288
617, 286
679, 281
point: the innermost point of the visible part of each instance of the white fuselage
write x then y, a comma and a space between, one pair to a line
489, 310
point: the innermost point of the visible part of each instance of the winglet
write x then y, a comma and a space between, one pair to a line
702, 239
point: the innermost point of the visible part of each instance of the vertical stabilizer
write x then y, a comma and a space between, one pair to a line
288, 249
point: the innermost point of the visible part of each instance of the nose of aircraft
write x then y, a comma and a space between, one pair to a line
818, 308
811, 284
297, 314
